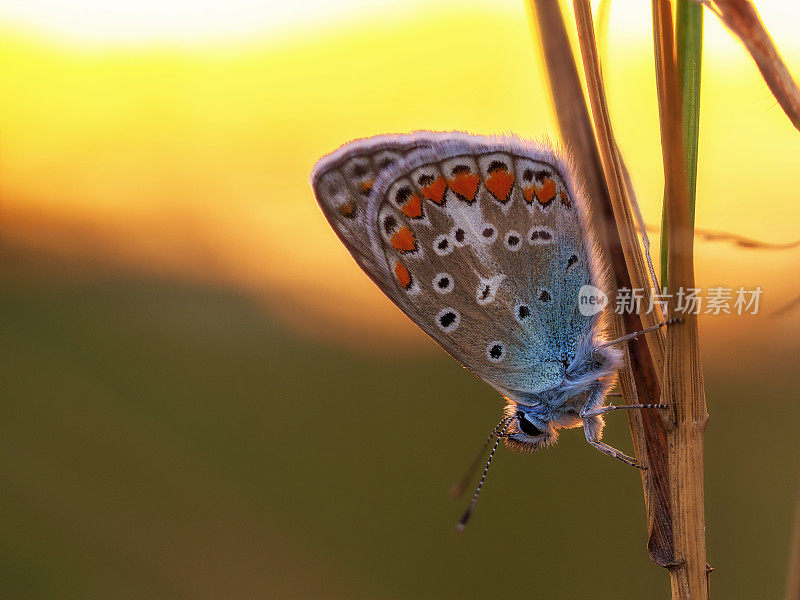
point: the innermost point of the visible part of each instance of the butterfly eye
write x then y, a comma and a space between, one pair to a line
526, 426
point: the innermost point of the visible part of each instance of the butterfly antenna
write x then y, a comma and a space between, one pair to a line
459, 487
462, 523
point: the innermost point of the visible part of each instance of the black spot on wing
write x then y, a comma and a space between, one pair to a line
403, 194
359, 170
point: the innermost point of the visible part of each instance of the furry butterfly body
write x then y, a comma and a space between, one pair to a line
484, 243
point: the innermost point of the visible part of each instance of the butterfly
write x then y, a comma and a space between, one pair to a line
485, 244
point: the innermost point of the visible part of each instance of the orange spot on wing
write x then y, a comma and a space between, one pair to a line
413, 207
465, 185
547, 191
404, 240
565, 199
435, 191
348, 209
528, 193
402, 274
366, 187
499, 183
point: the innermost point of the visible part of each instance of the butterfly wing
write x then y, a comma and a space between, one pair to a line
482, 243
342, 183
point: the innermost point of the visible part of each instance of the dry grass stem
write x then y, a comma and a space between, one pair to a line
710, 235
639, 378
683, 378
615, 177
793, 304
793, 572
741, 17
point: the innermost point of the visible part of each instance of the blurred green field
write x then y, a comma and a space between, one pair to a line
165, 440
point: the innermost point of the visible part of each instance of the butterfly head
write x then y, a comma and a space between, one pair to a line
530, 427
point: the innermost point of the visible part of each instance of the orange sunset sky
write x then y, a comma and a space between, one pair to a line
178, 141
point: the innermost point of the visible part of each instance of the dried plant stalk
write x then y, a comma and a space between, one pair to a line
683, 377
639, 378
793, 573
614, 172
710, 235
742, 18
658, 481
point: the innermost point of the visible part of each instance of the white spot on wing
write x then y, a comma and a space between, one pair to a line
489, 229
448, 319
487, 289
443, 283
439, 241
540, 235
458, 237
522, 313
495, 351
513, 240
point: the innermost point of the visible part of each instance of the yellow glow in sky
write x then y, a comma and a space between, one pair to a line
195, 20
193, 161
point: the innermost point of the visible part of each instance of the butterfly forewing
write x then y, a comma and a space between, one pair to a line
343, 181
481, 242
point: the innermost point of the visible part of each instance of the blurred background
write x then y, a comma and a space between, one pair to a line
203, 396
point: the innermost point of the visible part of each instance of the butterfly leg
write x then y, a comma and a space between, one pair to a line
636, 334
614, 453
589, 429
